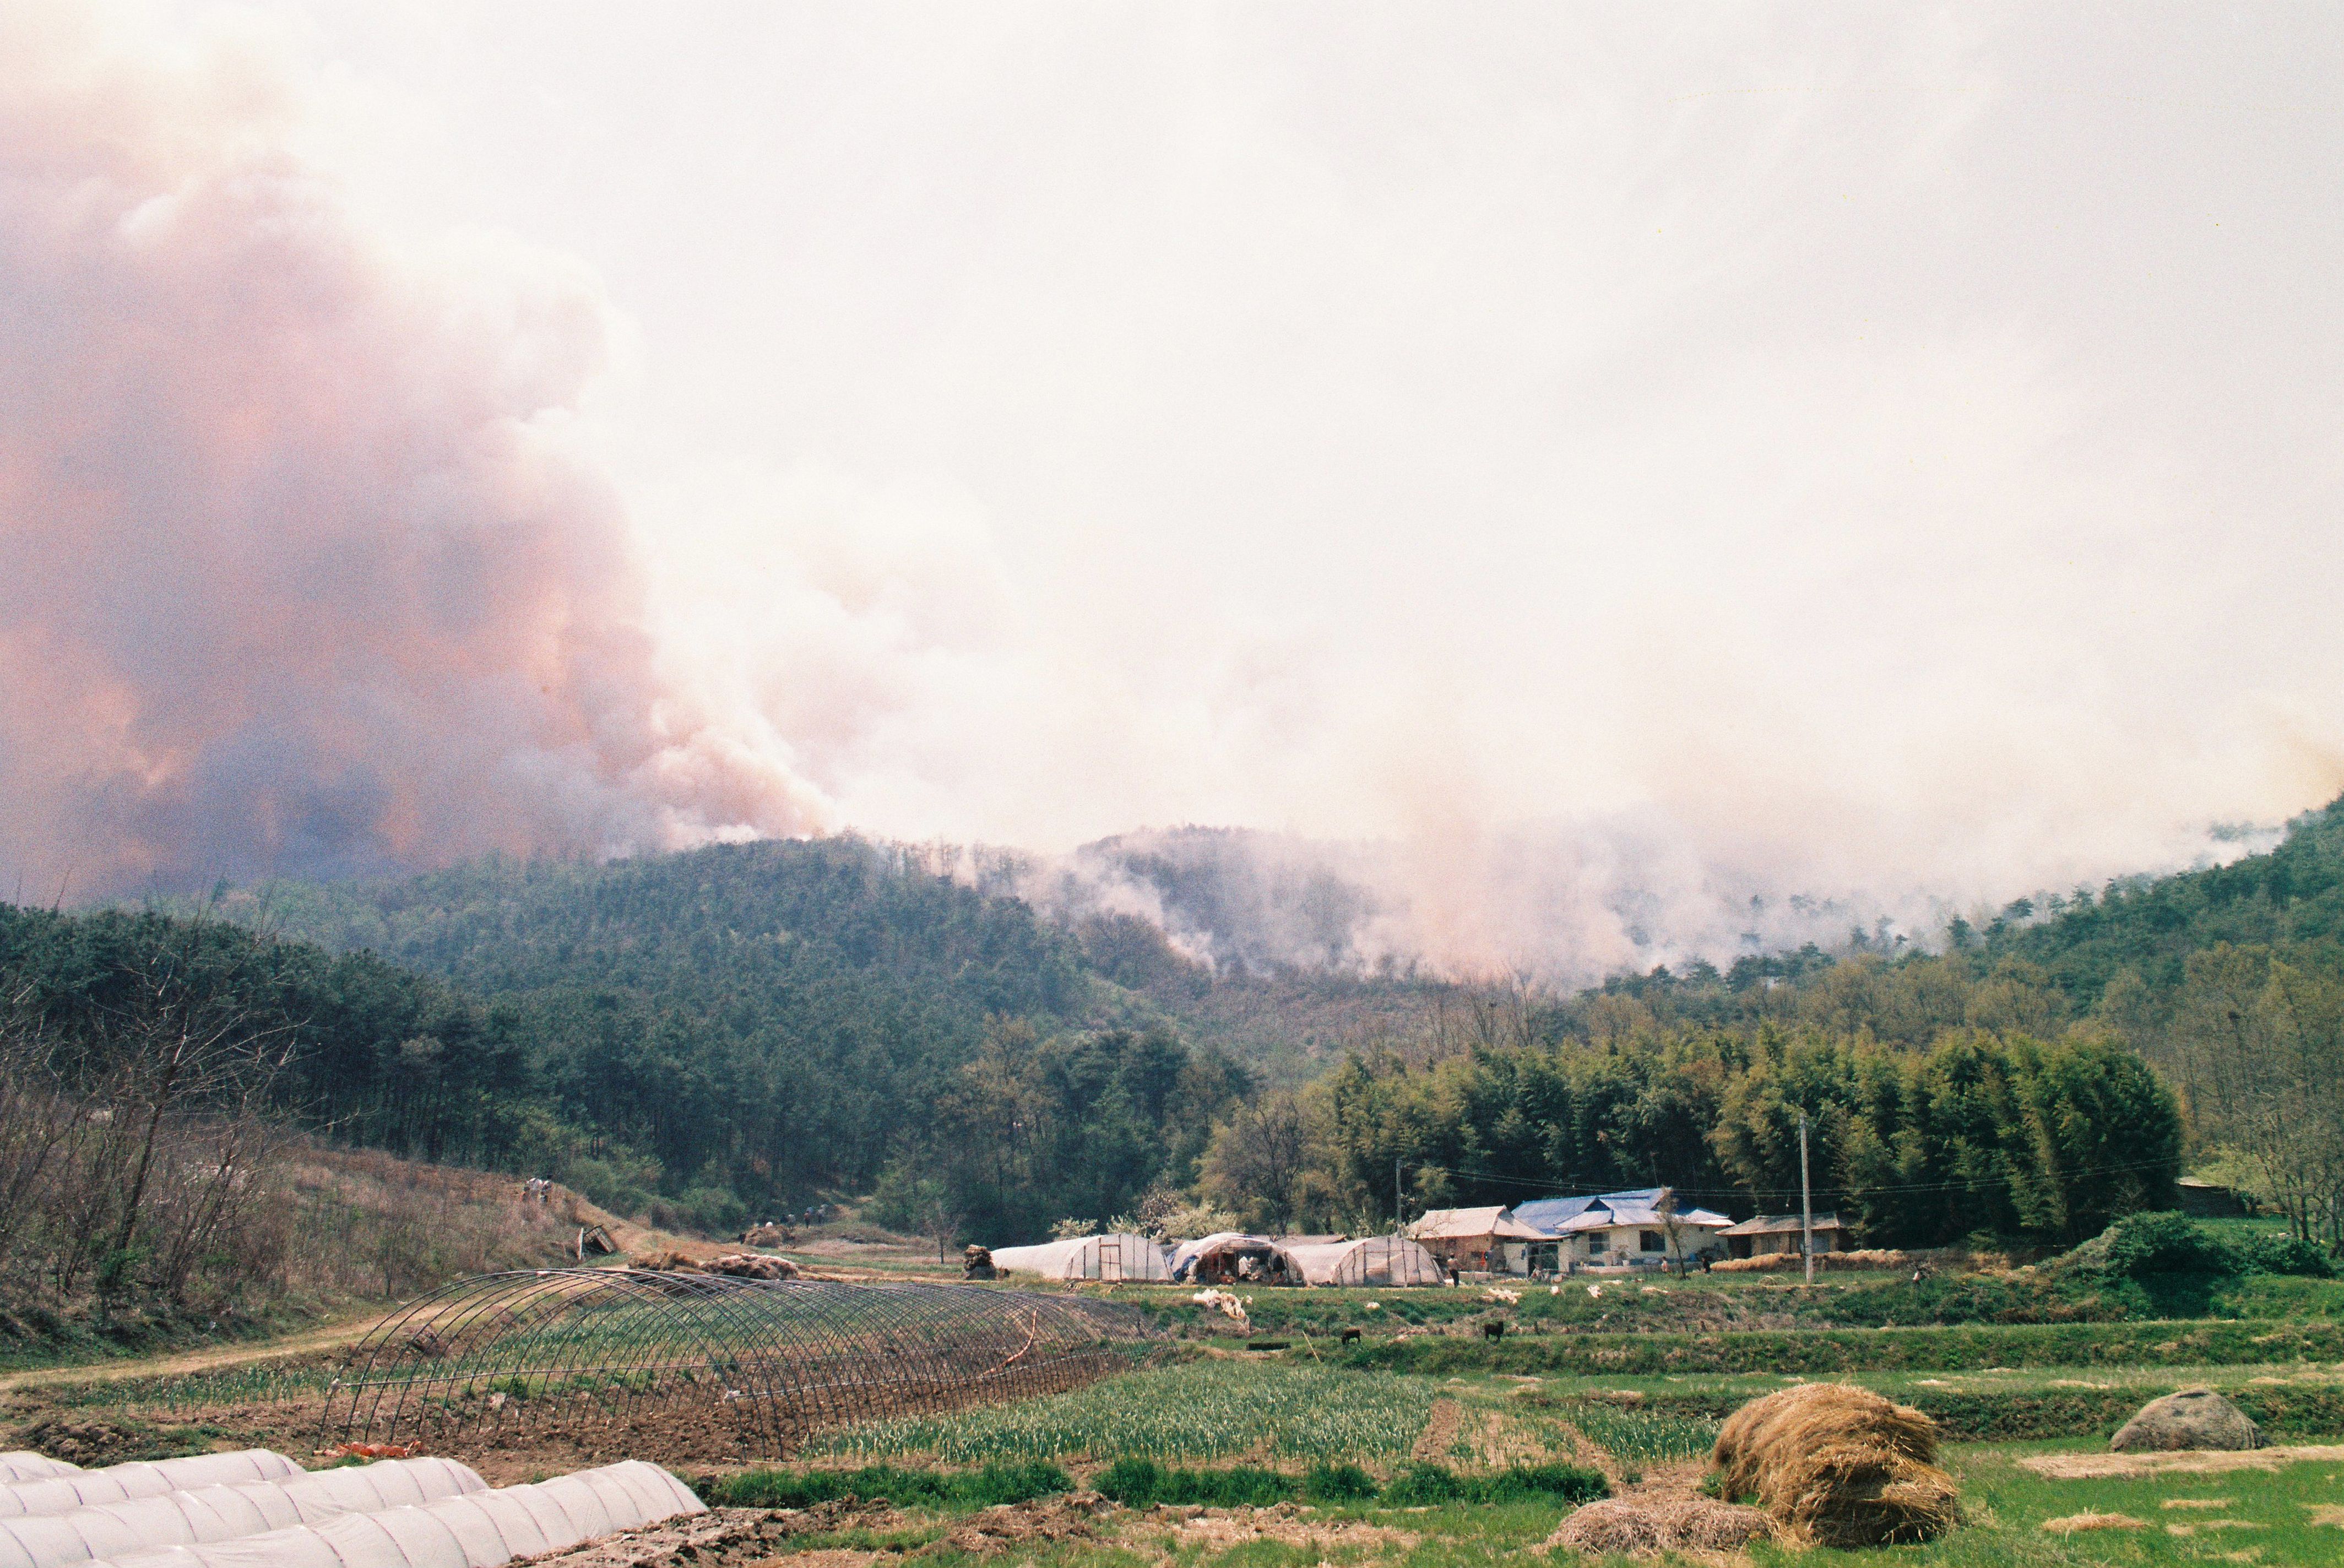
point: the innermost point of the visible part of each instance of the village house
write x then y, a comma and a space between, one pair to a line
1478, 1241
1644, 1228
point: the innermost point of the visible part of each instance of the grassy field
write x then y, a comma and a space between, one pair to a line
1633, 1381
1429, 1444
1200, 1410
2291, 1516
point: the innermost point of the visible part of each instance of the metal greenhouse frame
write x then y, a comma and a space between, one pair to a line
563, 1350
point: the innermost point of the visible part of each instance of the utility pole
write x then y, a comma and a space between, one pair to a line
1806, 1204
1398, 1215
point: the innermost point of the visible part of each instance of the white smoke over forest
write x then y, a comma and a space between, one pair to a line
1567, 492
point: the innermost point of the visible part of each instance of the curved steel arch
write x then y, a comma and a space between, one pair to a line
566, 1349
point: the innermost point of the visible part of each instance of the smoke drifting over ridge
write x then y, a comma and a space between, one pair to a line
1571, 477
298, 571
1555, 905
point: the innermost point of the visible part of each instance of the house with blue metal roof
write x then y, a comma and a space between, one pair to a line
1610, 1230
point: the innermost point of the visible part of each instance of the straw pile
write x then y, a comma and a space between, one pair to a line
1769, 1262
1838, 1466
1625, 1526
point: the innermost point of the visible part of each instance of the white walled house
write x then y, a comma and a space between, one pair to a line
1627, 1229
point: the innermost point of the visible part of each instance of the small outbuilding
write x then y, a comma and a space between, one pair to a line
1118, 1256
1769, 1233
2204, 1200
1485, 1241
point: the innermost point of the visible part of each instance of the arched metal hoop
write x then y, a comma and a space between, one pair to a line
569, 1351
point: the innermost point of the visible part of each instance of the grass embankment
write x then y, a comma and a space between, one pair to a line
1948, 1349
35, 1338
1140, 1482
2063, 1408
357, 1229
1619, 1304
982, 1488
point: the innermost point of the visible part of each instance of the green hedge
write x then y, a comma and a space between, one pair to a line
1956, 1349
885, 1483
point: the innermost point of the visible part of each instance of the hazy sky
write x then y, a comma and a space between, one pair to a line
1866, 447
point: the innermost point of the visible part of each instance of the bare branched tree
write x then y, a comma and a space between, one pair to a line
138, 1118
2262, 1045
1257, 1159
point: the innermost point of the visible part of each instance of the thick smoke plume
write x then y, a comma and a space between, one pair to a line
1605, 494
297, 571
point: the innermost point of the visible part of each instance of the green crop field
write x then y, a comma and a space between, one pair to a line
1428, 1441
1646, 1402
1203, 1409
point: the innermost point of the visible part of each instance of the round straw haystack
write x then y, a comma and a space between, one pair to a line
1624, 1526
1837, 1465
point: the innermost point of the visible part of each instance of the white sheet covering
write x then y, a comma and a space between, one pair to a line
477, 1529
213, 1514
72, 1488
24, 1464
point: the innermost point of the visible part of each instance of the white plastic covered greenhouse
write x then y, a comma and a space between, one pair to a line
403, 1514
25, 1465
67, 1488
479, 1530
1382, 1260
1119, 1256
207, 1513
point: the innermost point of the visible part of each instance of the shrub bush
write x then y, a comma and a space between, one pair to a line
2148, 1246
1137, 1482
2267, 1254
1422, 1484
1339, 1483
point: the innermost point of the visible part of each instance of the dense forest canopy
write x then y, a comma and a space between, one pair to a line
709, 1035
718, 1032
2228, 981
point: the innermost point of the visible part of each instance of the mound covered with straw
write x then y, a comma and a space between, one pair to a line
1838, 1466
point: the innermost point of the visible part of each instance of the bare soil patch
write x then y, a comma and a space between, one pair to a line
1288, 1523
1440, 1431
1073, 1517
723, 1537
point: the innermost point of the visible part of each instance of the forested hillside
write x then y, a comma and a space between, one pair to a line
796, 932
740, 1027
702, 1036
698, 1036
2229, 982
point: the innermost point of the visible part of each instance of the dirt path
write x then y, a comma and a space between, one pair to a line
325, 1337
